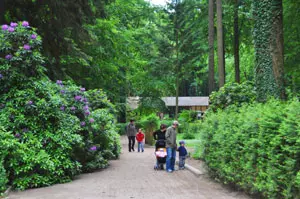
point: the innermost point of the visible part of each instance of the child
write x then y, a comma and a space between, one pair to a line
182, 154
140, 137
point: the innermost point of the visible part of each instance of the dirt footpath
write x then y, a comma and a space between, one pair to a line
133, 176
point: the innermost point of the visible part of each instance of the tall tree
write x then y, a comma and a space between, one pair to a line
220, 36
177, 29
211, 35
268, 41
291, 31
277, 46
236, 43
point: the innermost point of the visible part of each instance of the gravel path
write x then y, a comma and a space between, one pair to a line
133, 176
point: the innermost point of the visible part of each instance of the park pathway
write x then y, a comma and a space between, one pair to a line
133, 177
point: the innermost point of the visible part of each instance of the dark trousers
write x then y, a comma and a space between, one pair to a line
131, 142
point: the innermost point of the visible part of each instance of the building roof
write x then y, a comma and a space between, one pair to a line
186, 101
171, 101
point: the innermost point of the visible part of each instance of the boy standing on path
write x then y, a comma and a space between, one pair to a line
131, 132
171, 147
182, 154
140, 137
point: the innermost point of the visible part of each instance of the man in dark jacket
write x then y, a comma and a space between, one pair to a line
171, 147
131, 133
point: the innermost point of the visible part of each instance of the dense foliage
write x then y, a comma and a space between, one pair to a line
149, 124
256, 147
53, 133
4, 150
232, 93
3, 178
131, 50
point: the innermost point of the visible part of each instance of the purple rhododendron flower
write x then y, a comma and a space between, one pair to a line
33, 36
26, 47
62, 91
82, 123
85, 100
25, 24
82, 89
8, 57
4, 27
86, 107
17, 135
13, 24
58, 82
92, 120
1, 76
93, 148
11, 29
73, 108
30, 102
77, 97
87, 113
62, 108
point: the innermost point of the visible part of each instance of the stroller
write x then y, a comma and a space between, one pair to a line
160, 154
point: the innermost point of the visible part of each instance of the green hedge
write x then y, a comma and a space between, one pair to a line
256, 147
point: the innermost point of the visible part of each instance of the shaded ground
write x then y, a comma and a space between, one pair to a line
133, 176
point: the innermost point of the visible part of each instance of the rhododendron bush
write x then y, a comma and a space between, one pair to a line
54, 133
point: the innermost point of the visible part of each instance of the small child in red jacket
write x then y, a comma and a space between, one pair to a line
140, 138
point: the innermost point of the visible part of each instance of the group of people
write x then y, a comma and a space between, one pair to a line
164, 136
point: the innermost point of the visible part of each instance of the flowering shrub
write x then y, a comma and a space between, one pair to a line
20, 57
100, 137
98, 100
45, 135
4, 148
48, 123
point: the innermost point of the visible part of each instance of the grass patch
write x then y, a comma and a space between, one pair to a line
195, 145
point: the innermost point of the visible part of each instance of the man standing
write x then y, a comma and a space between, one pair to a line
131, 133
171, 147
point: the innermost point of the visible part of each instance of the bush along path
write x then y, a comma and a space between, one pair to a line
133, 176
256, 147
49, 131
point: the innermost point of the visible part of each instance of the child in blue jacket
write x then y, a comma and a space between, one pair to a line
182, 154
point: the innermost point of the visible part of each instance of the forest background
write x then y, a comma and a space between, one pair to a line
130, 48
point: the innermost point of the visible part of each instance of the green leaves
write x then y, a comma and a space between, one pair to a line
232, 93
255, 146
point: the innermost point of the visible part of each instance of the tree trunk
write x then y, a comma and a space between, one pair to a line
211, 35
221, 61
2, 12
277, 47
268, 44
177, 71
176, 23
236, 42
